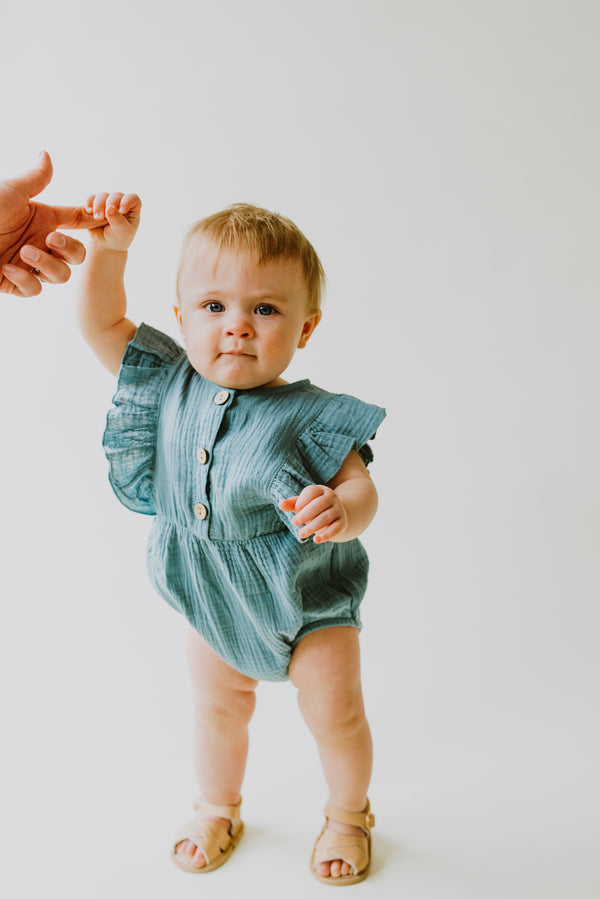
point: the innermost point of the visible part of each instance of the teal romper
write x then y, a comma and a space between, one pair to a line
211, 464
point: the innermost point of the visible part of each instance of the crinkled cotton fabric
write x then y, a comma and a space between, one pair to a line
211, 464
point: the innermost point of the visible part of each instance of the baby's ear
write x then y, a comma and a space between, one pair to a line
177, 312
308, 327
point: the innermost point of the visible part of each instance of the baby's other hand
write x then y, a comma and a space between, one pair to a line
118, 217
319, 511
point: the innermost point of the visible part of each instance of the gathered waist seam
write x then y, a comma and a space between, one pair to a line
182, 527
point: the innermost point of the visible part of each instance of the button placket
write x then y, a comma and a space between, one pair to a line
202, 508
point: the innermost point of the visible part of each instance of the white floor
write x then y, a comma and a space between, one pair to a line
97, 776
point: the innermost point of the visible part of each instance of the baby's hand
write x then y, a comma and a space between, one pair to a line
319, 511
118, 217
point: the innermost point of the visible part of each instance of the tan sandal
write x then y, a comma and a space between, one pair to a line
354, 849
214, 841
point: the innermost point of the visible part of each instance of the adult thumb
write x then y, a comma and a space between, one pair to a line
36, 179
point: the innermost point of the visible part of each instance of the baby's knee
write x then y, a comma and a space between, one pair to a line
215, 707
332, 716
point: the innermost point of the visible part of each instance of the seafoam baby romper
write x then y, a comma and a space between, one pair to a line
211, 464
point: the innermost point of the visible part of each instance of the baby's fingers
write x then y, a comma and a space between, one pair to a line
309, 494
112, 204
318, 523
288, 505
328, 533
117, 217
131, 206
97, 206
123, 214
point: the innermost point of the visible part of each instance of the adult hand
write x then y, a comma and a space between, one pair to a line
31, 250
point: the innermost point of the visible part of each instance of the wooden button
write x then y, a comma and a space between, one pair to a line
200, 511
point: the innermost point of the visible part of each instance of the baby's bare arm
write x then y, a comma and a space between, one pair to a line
103, 301
340, 510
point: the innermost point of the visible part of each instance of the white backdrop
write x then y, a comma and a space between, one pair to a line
443, 158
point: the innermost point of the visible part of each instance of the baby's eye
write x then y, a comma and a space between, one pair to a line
265, 309
214, 306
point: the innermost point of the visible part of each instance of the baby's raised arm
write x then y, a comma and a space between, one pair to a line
102, 299
338, 511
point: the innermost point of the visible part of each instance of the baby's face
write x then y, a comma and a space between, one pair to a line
242, 322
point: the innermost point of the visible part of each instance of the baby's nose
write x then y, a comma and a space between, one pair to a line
238, 326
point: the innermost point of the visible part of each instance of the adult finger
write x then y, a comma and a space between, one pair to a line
36, 179
75, 217
46, 266
67, 248
22, 283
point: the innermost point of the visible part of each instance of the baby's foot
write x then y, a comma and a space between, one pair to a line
206, 841
342, 853
188, 852
338, 867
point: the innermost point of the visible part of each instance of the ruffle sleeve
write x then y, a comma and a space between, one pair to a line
345, 423
132, 423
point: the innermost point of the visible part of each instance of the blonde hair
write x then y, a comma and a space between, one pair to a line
261, 235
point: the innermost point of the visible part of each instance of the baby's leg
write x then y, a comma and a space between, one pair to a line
325, 667
224, 701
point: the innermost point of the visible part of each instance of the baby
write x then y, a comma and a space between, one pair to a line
259, 490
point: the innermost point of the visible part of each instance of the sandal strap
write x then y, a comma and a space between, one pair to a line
364, 819
211, 809
211, 837
354, 849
